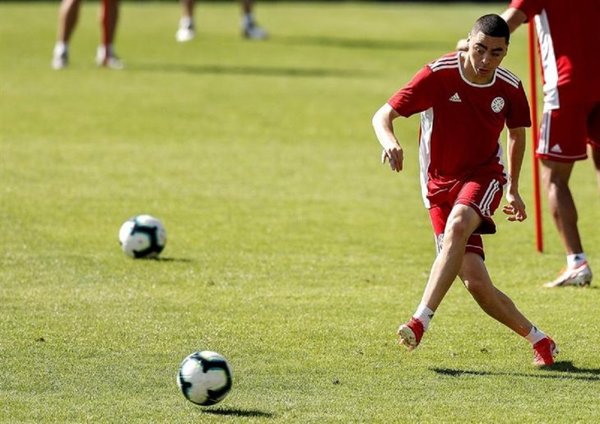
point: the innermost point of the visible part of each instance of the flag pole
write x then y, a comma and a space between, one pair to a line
539, 242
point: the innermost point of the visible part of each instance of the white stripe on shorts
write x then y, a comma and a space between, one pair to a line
488, 197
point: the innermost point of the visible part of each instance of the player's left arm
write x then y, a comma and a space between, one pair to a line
515, 209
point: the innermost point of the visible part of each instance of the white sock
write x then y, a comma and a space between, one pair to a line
105, 50
424, 314
576, 259
186, 22
535, 335
247, 20
60, 47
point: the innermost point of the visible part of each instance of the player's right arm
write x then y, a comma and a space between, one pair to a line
415, 97
514, 18
384, 130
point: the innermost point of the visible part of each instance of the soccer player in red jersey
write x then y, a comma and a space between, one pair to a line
68, 15
465, 99
568, 39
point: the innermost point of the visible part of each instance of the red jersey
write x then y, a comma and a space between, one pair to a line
461, 122
568, 39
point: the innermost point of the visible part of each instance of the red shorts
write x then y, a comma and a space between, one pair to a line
564, 132
482, 193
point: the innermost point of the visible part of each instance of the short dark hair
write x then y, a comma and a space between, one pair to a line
492, 25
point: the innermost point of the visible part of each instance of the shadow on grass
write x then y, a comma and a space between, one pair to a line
566, 368
237, 412
267, 71
168, 259
164, 259
358, 43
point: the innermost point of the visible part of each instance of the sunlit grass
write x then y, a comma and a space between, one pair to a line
291, 250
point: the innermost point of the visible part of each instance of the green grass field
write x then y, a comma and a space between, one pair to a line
291, 250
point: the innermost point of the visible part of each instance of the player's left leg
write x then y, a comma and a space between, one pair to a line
496, 304
109, 16
250, 29
499, 306
186, 30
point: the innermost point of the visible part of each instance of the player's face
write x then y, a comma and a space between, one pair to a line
485, 54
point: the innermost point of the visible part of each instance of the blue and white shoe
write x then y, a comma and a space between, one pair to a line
253, 32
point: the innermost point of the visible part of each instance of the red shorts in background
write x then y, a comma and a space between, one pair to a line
566, 131
482, 193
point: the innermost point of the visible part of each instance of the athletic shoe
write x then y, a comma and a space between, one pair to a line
110, 61
184, 34
60, 60
254, 32
410, 334
544, 352
579, 276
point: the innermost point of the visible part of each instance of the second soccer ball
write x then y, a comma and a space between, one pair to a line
142, 236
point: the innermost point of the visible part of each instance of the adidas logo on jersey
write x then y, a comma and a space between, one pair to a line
455, 98
556, 149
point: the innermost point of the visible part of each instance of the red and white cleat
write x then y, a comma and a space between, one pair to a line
544, 352
410, 334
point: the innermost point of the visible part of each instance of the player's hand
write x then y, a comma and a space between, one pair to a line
395, 156
515, 208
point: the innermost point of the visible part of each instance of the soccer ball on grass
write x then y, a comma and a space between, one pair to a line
205, 378
142, 236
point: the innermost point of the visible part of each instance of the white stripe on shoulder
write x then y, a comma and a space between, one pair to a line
444, 63
508, 76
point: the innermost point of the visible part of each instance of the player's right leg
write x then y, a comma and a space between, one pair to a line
457, 229
593, 127
555, 177
595, 150
410, 333
68, 15
563, 142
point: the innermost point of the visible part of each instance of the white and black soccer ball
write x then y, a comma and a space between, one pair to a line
205, 378
142, 236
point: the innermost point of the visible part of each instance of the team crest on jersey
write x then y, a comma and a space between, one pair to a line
497, 104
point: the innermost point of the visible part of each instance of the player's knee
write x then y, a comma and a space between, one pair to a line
478, 289
555, 175
456, 229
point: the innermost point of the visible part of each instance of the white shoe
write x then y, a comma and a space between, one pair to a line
254, 32
185, 34
580, 276
60, 61
110, 61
